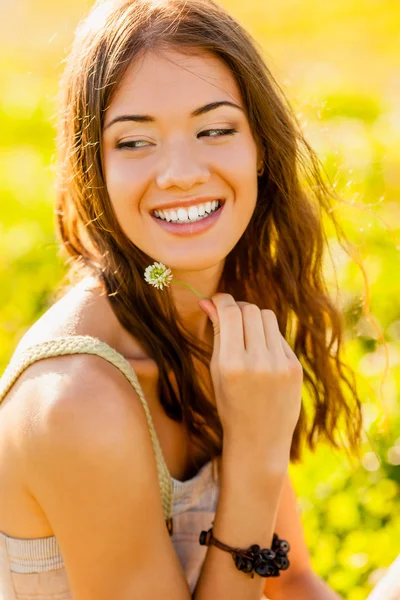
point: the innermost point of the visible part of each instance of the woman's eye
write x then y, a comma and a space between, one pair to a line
220, 132
131, 144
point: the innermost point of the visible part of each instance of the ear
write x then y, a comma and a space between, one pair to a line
260, 157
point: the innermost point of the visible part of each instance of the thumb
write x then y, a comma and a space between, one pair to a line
209, 308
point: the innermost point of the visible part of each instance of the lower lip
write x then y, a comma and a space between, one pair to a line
190, 228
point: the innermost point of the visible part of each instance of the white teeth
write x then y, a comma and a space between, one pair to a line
182, 214
193, 213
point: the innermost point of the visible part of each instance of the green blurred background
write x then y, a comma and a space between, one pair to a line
339, 65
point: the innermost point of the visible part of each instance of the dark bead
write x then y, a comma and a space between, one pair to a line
239, 561
285, 545
202, 538
267, 554
265, 569
281, 562
248, 566
262, 565
243, 564
285, 564
255, 548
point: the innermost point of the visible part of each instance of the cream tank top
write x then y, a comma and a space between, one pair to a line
34, 568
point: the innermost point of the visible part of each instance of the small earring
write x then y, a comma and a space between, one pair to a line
261, 171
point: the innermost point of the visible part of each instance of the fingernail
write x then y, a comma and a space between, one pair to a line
203, 308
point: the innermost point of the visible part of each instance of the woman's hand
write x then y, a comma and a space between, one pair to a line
257, 377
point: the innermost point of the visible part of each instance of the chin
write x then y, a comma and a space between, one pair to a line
192, 261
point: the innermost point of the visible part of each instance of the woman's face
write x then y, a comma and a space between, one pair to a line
165, 149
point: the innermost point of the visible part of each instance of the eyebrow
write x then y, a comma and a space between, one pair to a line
150, 119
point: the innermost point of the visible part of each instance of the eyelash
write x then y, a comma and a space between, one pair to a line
222, 132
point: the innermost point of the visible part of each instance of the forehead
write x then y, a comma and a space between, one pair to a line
173, 81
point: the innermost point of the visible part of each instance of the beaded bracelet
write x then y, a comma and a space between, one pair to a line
267, 562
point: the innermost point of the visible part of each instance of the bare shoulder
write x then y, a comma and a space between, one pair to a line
77, 395
82, 309
91, 468
81, 405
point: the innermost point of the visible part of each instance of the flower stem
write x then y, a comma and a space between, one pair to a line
191, 288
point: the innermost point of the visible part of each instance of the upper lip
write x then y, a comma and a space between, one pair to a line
187, 202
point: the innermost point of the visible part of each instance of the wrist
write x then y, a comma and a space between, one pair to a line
254, 462
266, 562
246, 510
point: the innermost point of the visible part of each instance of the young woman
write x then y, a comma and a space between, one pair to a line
176, 145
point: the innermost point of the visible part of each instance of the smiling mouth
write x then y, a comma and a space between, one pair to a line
183, 216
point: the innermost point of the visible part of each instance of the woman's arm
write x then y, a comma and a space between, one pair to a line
90, 466
305, 586
246, 512
257, 380
299, 581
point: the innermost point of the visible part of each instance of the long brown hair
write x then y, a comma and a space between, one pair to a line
277, 263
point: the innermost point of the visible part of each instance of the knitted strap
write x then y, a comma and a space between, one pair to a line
85, 344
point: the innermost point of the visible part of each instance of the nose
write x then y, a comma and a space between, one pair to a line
181, 169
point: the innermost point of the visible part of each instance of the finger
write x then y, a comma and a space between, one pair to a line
288, 350
272, 333
253, 328
208, 307
289, 353
231, 325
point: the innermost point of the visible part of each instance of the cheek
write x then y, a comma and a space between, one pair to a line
243, 176
123, 184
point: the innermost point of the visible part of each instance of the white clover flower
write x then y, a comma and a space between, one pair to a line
158, 275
